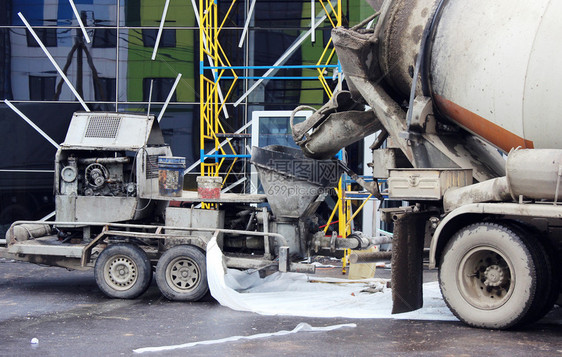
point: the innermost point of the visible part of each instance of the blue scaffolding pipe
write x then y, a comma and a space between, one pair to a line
295, 78
225, 156
367, 178
362, 195
275, 67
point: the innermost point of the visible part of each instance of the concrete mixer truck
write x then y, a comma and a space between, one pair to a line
465, 96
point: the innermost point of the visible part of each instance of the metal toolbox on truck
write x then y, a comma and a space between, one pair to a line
425, 184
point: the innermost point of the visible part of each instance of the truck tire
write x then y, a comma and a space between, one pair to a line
488, 276
543, 301
548, 274
181, 273
546, 290
123, 271
554, 286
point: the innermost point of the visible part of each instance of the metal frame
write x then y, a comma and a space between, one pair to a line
256, 121
123, 229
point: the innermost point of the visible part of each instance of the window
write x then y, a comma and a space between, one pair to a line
160, 89
104, 89
272, 128
105, 38
42, 88
47, 35
168, 38
269, 46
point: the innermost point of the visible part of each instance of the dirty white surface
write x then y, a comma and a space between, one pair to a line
294, 294
301, 327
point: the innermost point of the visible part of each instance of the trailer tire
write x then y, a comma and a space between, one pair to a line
123, 271
488, 276
181, 273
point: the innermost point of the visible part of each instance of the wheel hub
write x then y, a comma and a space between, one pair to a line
121, 272
183, 274
494, 276
485, 278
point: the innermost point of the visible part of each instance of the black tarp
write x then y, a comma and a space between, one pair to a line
23, 148
6, 48
29, 195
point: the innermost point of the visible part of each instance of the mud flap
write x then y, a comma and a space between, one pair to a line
407, 262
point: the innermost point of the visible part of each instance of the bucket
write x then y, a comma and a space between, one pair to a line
170, 175
209, 187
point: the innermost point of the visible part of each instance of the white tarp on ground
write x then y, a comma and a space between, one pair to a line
301, 327
294, 294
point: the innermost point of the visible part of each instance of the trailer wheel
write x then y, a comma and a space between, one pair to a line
181, 273
123, 271
488, 276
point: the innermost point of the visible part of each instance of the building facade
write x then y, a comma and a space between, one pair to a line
115, 72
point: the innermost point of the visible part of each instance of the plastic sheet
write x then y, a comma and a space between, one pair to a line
302, 327
294, 294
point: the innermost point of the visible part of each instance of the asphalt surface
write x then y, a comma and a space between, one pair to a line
69, 316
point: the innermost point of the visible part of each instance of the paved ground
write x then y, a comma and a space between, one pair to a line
69, 316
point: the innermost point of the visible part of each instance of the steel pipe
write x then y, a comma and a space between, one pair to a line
373, 257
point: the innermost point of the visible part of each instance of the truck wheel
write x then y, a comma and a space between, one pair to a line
181, 273
123, 271
547, 276
553, 284
488, 276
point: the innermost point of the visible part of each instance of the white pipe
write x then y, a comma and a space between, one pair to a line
49, 216
169, 97
80, 21
149, 98
117, 57
493, 190
64, 77
312, 16
196, 11
160, 29
226, 189
281, 60
43, 134
247, 24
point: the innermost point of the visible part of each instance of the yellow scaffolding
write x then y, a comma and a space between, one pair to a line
343, 206
211, 103
329, 50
